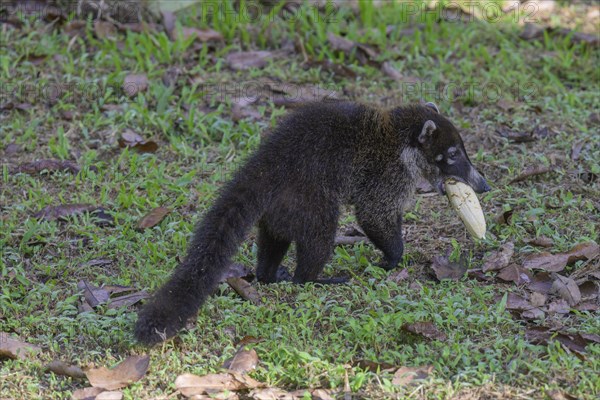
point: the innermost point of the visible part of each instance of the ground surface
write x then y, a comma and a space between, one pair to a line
490, 81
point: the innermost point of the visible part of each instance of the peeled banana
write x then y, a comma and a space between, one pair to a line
466, 204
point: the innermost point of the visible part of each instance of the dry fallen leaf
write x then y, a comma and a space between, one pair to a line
426, 329
529, 172
109, 395
88, 393
541, 241
446, 269
559, 306
407, 375
105, 29
93, 295
59, 367
243, 361
373, 366
567, 289
36, 167
190, 385
132, 369
153, 218
557, 262
133, 140
244, 289
134, 84
499, 259
51, 213
11, 347
537, 299
541, 282
127, 300
517, 302
515, 273
248, 59
398, 275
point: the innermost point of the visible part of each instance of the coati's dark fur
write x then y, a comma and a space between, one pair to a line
321, 156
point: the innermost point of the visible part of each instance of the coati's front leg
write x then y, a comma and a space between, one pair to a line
383, 227
271, 251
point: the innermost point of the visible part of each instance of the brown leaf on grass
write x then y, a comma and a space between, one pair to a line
52, 213
47, 166
373, 366
515, 273
538, 299
388, 69
426, 329
335, 68
105, 29
517, 302
398, 275
567, 289
533, 31
132, 369
243, 361
168, 20
514, 136
190, 385
499, 259
93, 295
88, 393
133, 140
541, 241
504, 217
541, 282
529, 172
110, 395
16, 349
557, 394
557, 262
244, 289
127, 300
559, 306
248, 59
59, 367
202, 35
405, 376
543, 335
589, 290
446, 269
134, 84
153, 218
533, 313
273, 394
339, 43
576, 149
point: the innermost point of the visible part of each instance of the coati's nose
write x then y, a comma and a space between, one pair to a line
483, 187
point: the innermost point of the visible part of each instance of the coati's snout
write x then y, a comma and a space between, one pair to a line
446, 156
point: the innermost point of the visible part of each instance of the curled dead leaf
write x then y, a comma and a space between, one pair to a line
190, 385
244, 289
11, 347
426, 329
405, 376
153, 218
446, 269
243, 361
567, 289
130, 370
499, 259
59, 367
134, 84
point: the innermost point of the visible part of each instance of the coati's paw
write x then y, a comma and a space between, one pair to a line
155, 325
283, 275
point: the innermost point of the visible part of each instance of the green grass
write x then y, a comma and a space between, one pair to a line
312, 335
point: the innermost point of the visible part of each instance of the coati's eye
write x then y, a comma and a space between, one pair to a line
452, 154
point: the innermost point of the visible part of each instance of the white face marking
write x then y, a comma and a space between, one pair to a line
439, 157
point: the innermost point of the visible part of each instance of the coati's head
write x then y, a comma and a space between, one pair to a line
442, 148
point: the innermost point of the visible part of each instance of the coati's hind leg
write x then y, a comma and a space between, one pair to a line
386, 235
271, 251
314, 250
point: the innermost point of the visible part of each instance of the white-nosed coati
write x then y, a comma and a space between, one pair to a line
319, 157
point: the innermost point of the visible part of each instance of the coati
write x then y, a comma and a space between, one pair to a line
319, 157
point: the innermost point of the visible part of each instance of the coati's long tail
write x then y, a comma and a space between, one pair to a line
215, 241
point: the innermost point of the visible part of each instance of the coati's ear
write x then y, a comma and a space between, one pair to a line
427, 131
433, 107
